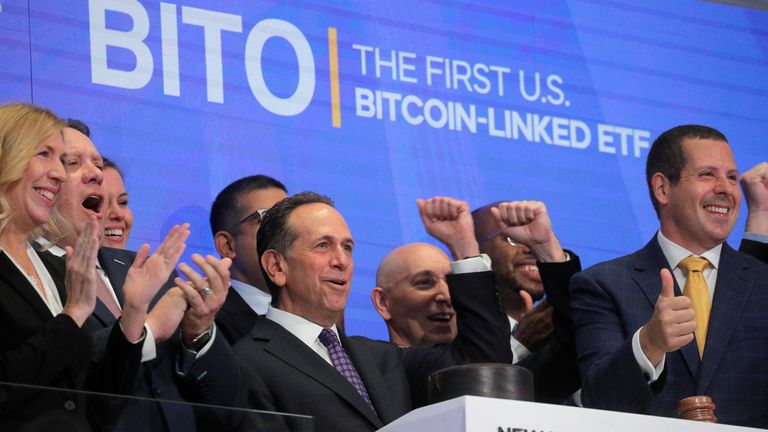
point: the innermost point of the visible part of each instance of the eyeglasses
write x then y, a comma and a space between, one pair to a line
256, 216
494, 234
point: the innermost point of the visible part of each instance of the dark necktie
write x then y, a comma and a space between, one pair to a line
342, 363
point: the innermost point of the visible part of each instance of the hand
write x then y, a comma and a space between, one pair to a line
165, 316
755, 185
527, 223
145, 278
203, 304
80, 279
450, 221
535, 326
672, 324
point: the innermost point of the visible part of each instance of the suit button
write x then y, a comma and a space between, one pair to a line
158, 392
70, 405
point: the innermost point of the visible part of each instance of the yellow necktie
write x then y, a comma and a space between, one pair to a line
696, 289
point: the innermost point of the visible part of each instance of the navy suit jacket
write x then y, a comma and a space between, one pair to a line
611, 300
157, 378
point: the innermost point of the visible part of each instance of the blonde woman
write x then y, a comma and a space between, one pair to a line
44, 302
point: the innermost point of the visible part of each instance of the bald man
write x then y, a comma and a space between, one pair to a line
412, 296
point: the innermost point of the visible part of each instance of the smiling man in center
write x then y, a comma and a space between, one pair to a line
296, 360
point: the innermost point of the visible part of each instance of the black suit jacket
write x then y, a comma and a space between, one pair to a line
157, 377
610, 301
554, 367
40, 349
285, 375
756, 249
236, 318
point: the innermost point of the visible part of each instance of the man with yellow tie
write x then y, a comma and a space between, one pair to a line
686, 314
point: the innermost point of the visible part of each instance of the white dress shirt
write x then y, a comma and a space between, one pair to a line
519, 351
45, 282
305, 330
257, 299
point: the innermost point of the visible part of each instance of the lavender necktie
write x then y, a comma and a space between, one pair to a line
103, 294
342, 363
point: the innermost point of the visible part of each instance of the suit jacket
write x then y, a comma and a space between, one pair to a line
755, 248
554, 367
287, 376
40, 349
235, 319
610, 301
156, 378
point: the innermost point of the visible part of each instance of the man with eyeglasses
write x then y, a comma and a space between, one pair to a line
236, 216
515, 267
528, 261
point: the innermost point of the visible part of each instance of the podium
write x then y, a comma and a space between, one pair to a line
479, 414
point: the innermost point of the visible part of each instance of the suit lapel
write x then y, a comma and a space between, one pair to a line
649, 262
374, 381
289, 349
116, 269
734, 285
17, 282
236, 306
57, 268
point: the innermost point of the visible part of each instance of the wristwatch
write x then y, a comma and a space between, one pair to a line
199, 341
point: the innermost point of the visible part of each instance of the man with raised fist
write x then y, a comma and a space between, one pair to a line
684, 315
529, 262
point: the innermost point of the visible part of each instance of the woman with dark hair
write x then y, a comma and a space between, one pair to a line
118, 219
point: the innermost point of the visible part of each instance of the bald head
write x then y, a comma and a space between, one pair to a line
412, 296
396, 264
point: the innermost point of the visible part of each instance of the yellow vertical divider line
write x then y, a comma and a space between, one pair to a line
333, 59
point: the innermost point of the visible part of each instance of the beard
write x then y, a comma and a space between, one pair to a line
510, 286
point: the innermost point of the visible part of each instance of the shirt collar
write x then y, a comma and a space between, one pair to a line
302, 328
674, 253
257, 299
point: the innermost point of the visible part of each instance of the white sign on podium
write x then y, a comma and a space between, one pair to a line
479, 414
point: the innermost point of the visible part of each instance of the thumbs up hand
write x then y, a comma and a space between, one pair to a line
672, 324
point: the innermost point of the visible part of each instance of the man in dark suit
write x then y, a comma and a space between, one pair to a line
297, 361
235, 219
530, 262
412, 297
642, 345
411, 292
81, 199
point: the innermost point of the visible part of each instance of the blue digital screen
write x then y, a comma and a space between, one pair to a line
377, 104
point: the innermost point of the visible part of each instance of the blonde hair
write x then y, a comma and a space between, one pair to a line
22, 128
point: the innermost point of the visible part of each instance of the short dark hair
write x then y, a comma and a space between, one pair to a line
227, 208
109, 163
275, 233
666, 155
79, 126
